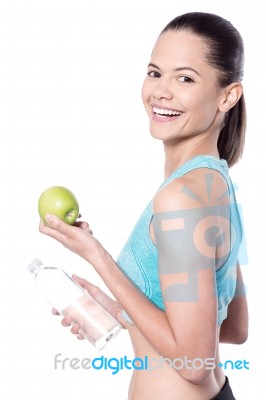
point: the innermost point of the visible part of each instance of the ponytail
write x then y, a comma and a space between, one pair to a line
232, 136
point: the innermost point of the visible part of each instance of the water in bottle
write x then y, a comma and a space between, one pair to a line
97, 325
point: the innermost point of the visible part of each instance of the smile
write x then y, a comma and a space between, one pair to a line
164, 112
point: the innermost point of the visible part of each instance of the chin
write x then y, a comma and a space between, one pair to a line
157, 136
161, 134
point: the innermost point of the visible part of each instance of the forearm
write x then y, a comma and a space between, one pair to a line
149, 319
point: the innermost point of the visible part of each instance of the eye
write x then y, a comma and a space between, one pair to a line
153, 74
185, 79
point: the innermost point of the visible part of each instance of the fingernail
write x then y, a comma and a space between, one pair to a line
48, 218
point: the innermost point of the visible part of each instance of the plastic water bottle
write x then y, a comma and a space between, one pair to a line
97, 325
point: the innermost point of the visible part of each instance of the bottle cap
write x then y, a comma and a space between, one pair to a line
35, 265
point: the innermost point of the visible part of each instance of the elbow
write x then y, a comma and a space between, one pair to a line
237, 339
196, 371
196, 377
234, 333
241, 338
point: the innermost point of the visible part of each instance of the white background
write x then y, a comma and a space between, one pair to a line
71, 114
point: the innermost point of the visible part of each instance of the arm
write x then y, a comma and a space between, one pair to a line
79, 239
234, 328
171, 333
129, 297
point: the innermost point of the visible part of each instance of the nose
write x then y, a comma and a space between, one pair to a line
162, 89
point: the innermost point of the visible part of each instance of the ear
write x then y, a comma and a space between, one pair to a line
231, 95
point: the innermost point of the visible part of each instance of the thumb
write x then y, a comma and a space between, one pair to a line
85, 284
56, 223
55, 227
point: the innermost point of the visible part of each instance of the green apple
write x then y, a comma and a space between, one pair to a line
59, 201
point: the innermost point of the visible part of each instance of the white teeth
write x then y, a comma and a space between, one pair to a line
165, 112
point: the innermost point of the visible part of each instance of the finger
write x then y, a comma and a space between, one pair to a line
80, 336
66, 321
83, 225
75, 329
55, 312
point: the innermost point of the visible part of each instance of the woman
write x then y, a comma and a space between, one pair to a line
177, 280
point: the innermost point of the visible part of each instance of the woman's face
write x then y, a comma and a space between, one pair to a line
180, 92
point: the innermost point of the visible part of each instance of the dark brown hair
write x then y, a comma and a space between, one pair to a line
226, 54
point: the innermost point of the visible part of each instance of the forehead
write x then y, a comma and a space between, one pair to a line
180, 47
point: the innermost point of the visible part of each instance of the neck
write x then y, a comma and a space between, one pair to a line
177, 153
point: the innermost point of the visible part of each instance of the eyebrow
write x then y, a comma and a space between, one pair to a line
176, 69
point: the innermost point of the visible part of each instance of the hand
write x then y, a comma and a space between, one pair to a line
107, 302
77, 238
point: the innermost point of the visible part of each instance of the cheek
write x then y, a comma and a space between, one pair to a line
209, 105
202, 103
145, 92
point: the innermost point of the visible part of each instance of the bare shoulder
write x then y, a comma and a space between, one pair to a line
198, 188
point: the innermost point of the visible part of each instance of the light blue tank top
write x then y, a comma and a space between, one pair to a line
139, 256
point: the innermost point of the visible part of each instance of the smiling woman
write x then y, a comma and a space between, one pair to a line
177, 280
183, 84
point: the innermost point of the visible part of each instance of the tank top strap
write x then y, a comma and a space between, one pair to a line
201, 161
